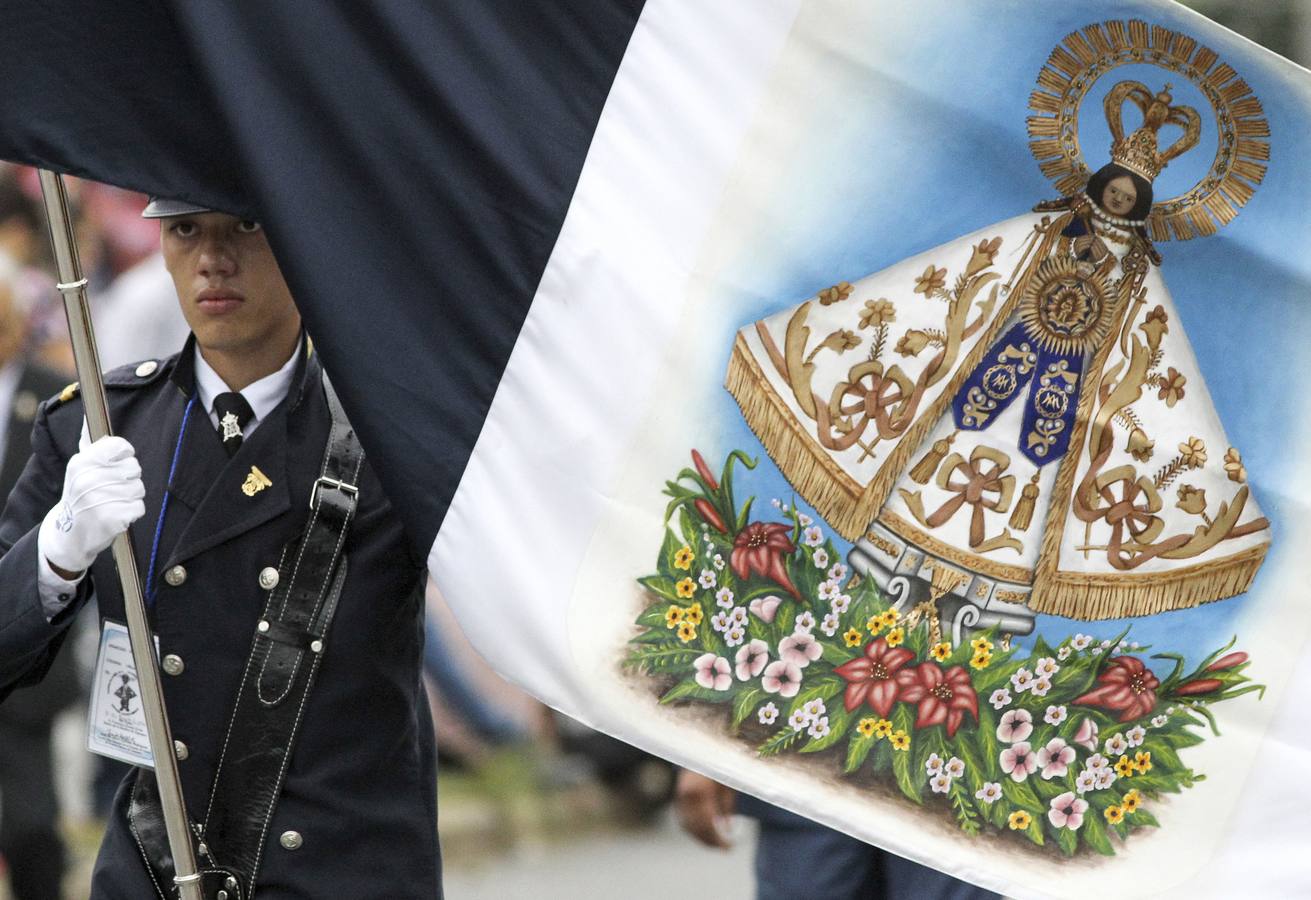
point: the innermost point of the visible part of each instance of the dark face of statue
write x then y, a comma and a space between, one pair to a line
1119, 196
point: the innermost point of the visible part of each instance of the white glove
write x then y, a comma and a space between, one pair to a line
103, 495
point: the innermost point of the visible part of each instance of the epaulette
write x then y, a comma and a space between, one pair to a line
133, 375
1054, 205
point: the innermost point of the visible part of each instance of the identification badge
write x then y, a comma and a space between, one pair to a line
116, 725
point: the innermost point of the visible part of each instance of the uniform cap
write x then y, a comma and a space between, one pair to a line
160, 207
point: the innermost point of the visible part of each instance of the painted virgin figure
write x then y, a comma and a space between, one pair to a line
1014, 422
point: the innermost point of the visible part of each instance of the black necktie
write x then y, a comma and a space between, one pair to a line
234, 414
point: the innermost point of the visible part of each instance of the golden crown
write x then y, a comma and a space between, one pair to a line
1138, 152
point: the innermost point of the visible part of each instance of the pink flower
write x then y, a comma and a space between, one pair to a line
1019, 761
872, 678
1067, 811
781, 677
751, 660
713, 672
1016, 725
1086, 736
765, 608
1055, 758
800, 649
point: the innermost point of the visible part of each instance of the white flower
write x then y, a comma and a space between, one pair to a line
1086, 734
1097, 763
735, 635
767, 714
1018, 761
819, 728
840, 603
785, 507
838, 572
751, 660
804, 519
1055, 715
941, 784
1096, 651
766, 607
805, 621
1067, 811
1136, 736
800, 649
1000, 698
814, 709
820, 558
933, 765
1086, 781
782, 678
989, 793
1133, 645
798, 720
1046, 666
1080, 641
1022, 680
814, 536
1055, 758
1063, 653
1106, 644
739, 616
828, 589
1105, 778
830, 625
720, 621
718, 562
1116, 745
955, 767
1040, 686
1158, 721
707, 579
1015, 725
724, 597
713, 672
776, 502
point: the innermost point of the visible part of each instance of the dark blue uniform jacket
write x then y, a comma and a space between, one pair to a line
361, 789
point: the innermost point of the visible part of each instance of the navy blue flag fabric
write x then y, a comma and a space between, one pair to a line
412, 162
890, 410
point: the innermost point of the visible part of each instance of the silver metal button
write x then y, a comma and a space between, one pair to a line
268, 578
180, 749
172, 664
291, 840
221, 895
147, 368
175, 576
263, 626
230, 883
316, 646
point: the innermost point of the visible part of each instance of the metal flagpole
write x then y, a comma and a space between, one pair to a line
73, 288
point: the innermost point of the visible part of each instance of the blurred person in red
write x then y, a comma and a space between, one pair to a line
29, 812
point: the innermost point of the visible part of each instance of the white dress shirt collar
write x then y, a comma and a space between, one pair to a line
262, 395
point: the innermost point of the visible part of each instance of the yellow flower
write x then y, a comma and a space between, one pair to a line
831, 295
685, 588
1234, 466
1192, 499
889, 617
941, 651
693, 614
1131, 800
673, 616
1019, 820
980, 644
900, 740
932, 280
866, 726
1114, 815
875, 625
686, 632
1124, 767
683, 558
882, 728
1142, 762
1193, 452
876, 313
896, 636
980, 660
852, 637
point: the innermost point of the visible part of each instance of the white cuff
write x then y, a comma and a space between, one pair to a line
55, 591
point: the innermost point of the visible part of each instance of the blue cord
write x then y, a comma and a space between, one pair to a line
163, 507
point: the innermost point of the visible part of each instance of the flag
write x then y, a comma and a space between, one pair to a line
771, 387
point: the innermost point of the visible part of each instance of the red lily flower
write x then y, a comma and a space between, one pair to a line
872, 678
759, 548
1127, 687
943, 696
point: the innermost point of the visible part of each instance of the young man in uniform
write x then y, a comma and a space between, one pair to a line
285, 599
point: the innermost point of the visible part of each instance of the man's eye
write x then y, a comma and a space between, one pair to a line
183, 229
247, 226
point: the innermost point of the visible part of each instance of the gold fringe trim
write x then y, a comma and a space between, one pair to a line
924, 541
1117, 596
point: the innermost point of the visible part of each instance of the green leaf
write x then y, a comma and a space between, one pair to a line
663, 587
857, 750
1034, 831
1021, 795
1143, 817
660, 636
786, 737
670, 546
881, 759
1183, 738
664, 659
1094, 832
690, 690
839, 721
834, 654
691, 534
744, 704
821, 689
1067, 840
903, 765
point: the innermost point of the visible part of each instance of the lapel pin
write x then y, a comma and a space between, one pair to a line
255, 482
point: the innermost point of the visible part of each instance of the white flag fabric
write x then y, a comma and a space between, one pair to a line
1051, 680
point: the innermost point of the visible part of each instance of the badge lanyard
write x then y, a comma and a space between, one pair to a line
163, 507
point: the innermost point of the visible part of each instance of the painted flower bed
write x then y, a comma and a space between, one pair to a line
1066, 744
